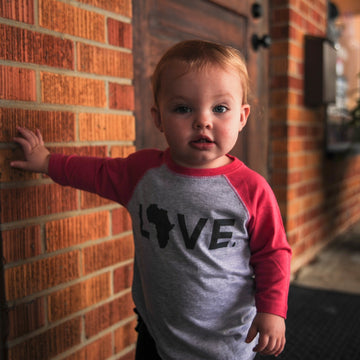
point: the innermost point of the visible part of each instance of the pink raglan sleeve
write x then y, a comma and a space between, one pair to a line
270, 250
114, 179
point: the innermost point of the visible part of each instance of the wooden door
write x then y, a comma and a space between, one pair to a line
158, 24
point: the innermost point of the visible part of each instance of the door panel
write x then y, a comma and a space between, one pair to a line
158, 24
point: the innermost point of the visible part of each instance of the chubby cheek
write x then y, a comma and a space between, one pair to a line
228, 136
174, 138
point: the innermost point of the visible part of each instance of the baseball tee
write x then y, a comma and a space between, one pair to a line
210, 247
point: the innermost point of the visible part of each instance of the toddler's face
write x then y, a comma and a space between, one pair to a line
200, 113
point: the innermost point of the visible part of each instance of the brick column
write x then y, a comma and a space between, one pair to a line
316, 192
66, 69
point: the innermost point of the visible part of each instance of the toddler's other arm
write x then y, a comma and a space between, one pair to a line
271, 329
36, 154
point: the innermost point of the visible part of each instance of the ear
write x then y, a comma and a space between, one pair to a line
245, 112
155, 113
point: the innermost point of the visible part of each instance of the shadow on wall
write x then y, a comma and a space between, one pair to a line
3, 307
340, 189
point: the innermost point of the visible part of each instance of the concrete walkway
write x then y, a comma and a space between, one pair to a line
337, 267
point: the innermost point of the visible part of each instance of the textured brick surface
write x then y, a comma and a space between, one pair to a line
121, 221
71, 20
89, 200
76, 230
70, 90
97, 60
125, 336
30, 278
105, 254
35, 201
25, 318
30, 47
121, 97
20, 10
122, 7
50, 343
123, 277
108, 314
119, 33
19, 244
128, 356
122, 151
52, 244
100, 127
97, 350
54, 125
17, 84
7, 173
78, 297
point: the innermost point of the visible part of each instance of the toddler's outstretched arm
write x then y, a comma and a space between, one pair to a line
271, 329
36, 154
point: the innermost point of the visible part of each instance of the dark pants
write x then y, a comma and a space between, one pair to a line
145, 347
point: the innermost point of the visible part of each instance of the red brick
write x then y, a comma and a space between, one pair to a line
108, 314
30, 278
17, 84
30, 47
20, 10
70, 90
280, 16
71, 20
25, 318
9, 174
122, 151
79, 296
50, 343
122, 7
20, 244
128, 356
35, 201
108, 253
125, 336
123, 277
119, 33
67, 232
97, 60
55, 126
106, 127
121, 97
121, 221
97, 350
279, 66
89, 200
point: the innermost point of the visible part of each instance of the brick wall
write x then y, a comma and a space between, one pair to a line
318, 195
66, 68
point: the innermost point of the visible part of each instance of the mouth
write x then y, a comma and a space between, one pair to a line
202, 140
202, 143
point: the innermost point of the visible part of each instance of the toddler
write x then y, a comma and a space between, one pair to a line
212, 263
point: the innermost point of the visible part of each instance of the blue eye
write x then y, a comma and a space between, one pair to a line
182, 109
220, 109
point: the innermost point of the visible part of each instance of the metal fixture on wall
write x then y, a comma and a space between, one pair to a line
264, 41
256, 10
256, 41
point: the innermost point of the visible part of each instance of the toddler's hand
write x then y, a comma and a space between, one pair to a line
271, 329
36, 154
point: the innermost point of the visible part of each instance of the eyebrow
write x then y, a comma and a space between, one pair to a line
186, 99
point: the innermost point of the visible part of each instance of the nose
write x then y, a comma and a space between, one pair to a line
202, 120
